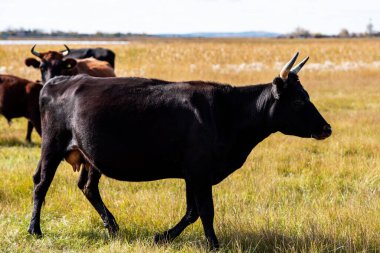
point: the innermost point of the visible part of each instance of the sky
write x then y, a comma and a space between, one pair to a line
186, 16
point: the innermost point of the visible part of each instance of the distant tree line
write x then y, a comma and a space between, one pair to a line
37, 33
300, 32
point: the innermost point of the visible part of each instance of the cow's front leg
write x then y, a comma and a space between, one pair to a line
190, 217
205, 208
202, 190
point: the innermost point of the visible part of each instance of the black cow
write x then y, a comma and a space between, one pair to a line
99, 53
137, 129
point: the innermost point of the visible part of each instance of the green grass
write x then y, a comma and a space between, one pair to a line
292, 194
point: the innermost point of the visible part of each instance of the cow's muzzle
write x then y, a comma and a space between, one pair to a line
327, 131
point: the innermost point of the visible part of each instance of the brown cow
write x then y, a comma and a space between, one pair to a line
19, 98
53, 64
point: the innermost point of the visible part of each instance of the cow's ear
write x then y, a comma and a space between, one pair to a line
32, 62
69, 63
278, 86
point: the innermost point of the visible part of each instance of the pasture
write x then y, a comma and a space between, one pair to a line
292, 194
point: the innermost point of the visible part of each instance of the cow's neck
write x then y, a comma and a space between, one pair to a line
251, 109
246, 124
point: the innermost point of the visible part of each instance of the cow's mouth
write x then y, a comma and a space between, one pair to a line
320, 136
327, 131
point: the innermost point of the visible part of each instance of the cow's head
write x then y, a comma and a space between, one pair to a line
292, 110
51, 63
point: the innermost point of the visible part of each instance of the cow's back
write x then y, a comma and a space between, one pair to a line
95, 68
98, 53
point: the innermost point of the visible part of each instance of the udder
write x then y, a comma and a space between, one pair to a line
75, 159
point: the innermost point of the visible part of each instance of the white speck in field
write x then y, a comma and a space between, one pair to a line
193, 67
215, 67
320, 66
344, 66
278, 65
237, 68
325, 66
254, 66
3, 69
376, 64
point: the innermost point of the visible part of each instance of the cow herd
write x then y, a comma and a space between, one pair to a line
141, 129
19, 96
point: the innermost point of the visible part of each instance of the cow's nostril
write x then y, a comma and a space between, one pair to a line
327, 129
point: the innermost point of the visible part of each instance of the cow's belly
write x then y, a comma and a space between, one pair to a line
128, 165
139, 166
138, 174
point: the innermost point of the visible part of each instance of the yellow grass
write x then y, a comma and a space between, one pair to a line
292, 194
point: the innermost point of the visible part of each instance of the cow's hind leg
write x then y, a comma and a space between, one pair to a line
29, 132
190, 217
37, 174
42, 179
88, 183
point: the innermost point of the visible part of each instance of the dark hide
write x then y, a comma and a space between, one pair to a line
136, 129
19, 98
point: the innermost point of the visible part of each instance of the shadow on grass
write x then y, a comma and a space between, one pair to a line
129, 235
276, 241
139, 234
14, 142
242, 241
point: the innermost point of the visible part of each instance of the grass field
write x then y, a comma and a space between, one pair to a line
292, 194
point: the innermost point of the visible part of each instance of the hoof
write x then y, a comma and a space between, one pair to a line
214, 247
162, 238
35, 232
113, 228
112, 231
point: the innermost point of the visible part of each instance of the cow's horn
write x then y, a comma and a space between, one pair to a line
67, 50
35, 52
286, 69
297, 68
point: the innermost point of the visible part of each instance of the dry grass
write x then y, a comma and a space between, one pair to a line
292, 194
